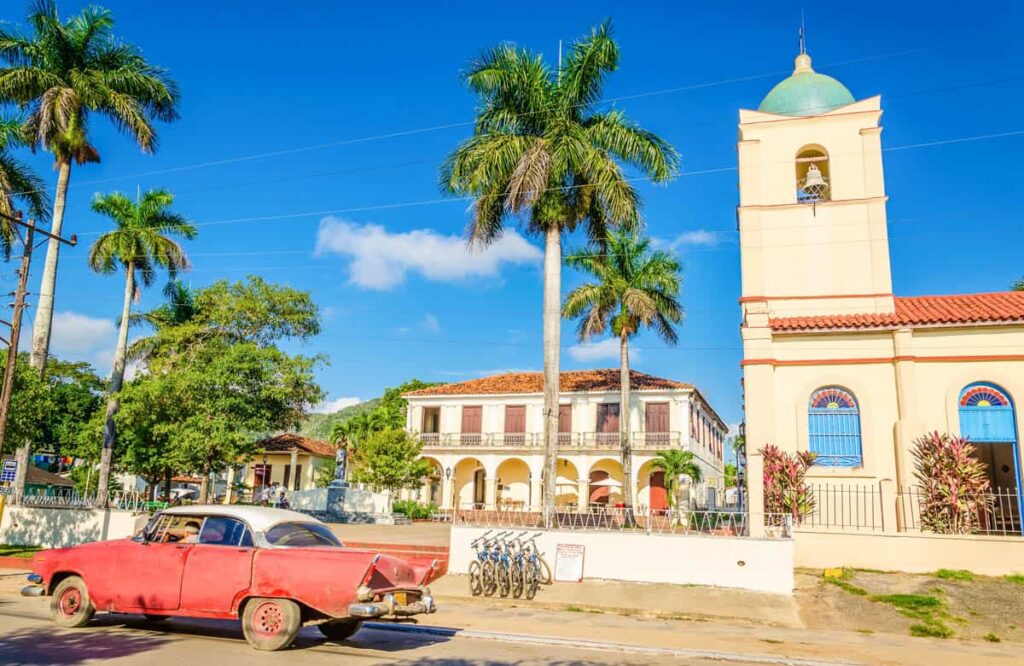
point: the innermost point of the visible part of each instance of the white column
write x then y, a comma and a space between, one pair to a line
295, 468
231, 481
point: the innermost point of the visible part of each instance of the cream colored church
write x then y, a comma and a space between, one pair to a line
833, 361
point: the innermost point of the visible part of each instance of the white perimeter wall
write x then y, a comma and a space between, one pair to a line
59, 528
767, 565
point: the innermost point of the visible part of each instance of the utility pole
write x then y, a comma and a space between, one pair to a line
27, 240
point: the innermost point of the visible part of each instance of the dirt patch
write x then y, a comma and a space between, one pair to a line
870, 601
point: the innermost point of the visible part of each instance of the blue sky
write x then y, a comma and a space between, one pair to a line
299, 82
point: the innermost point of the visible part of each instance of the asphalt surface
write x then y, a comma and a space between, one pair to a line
28, 637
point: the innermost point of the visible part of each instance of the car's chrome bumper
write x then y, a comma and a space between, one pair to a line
388, 606
36, 589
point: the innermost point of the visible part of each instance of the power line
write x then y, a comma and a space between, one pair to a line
468, 123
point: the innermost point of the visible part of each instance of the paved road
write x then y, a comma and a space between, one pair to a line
28, 637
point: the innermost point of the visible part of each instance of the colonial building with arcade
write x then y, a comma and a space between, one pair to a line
833, 361
484, 438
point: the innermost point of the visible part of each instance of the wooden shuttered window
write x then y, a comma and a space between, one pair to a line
608, 418
515, 418
656, 417
565, 418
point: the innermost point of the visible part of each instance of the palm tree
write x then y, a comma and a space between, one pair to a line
543, 155
180, 308
636, 287
676, 464
140, 244
17, 182
62, 73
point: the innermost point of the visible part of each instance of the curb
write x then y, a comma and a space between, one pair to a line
605, 646
9, 562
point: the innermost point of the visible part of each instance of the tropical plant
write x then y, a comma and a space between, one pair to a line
676, 464
1018, 285
785, 490
636, 287
391, 459
954, 484
140, 244
542, 154
17, 183
179, 308
62, 73
413, 510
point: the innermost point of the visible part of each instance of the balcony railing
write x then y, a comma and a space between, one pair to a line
566, 440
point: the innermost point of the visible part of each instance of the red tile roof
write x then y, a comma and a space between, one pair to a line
287, 442
993, 308
533, 382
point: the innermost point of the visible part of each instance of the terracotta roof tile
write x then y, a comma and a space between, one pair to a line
992, 308
533, 382
287, 441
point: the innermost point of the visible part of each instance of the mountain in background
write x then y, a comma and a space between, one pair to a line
318, 426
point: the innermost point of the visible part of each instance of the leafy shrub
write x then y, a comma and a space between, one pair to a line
785, 491
413, 509
954, 574
954, 484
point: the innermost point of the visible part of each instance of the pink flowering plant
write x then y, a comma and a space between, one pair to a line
953, 483
785, 490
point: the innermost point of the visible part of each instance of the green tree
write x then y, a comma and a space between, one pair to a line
63, 73
676, 464
75, 395
18, 183
1018, 285
541, 153
218, 382
730, 475
140, 244
390, 459
30, 405
635, 287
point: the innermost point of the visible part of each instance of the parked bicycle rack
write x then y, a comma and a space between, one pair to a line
507, 564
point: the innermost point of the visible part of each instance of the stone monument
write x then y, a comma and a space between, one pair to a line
341, 503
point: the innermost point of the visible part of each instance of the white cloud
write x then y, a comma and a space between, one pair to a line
75, 334
431, 324
604, 350
331, 406
381, 260
698, 237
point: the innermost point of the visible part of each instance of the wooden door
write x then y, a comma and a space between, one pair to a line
564, 425
656, 423
515, 418
472, 419
608, 423
659, 496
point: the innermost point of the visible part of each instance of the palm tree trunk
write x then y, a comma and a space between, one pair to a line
552, 342
624, 414
116, 380
44, 307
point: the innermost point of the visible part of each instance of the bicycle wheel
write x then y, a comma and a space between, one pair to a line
543, 571
502, 577
530, 582
515, 580
476, 579
490, 583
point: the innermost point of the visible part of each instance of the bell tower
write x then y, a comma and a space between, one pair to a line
811, 218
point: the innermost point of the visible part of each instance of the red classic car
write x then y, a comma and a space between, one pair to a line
273, 569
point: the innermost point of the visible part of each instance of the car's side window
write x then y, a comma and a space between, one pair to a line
246, 539
156, 525
223, 531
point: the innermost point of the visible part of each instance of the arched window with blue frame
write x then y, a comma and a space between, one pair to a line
988, 420
833, 422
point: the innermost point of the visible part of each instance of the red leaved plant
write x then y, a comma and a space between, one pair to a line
785, 491
954, 484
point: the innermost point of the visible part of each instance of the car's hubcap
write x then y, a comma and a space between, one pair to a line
268, 620
70, 601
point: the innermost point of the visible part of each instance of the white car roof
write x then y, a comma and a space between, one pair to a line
260, 518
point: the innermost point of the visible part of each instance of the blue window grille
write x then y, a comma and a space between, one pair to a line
834, 427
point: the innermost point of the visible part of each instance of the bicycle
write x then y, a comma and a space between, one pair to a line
476, 571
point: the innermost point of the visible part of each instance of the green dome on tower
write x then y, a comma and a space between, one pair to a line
805, 92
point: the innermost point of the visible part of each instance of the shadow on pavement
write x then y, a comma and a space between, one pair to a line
45, 646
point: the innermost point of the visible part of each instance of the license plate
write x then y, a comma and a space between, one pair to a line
401, 597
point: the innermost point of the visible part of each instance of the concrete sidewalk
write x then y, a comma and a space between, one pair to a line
419, 533
641, 599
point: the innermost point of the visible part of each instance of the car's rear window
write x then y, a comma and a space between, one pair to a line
301, 534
